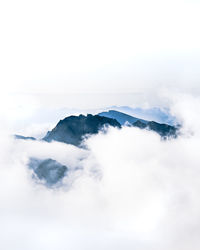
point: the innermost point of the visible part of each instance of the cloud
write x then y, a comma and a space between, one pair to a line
132, 190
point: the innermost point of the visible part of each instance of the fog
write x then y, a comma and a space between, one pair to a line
131, 190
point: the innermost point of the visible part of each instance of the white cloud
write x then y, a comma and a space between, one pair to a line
135, 191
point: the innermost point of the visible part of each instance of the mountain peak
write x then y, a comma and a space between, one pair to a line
72, 129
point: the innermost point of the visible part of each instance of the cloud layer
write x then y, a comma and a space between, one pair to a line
132, 190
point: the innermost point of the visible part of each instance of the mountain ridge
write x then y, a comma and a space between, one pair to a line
73, 129
121, 117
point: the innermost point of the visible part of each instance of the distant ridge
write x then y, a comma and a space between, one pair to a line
21, 137
160, 115
122, 118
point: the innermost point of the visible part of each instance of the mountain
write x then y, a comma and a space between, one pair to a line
122, 118
21, 137
164, 130
160, 115
72, 129
49, 171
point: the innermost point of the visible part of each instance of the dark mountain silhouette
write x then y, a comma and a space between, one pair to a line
122, 118
139, 124
72, 129
164, 130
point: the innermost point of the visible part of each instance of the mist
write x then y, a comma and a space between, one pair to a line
131, 190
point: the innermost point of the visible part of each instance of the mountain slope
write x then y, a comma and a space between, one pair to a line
48, 171
122, 118
72, 129
164, 130
160, 115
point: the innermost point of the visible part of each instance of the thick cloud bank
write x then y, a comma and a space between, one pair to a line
128, 190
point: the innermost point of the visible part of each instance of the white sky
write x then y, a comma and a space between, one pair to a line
64, 47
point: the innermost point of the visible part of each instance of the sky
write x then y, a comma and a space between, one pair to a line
92, 55
108, 47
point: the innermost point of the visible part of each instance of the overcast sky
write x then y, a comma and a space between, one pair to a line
99, 46
93, 54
